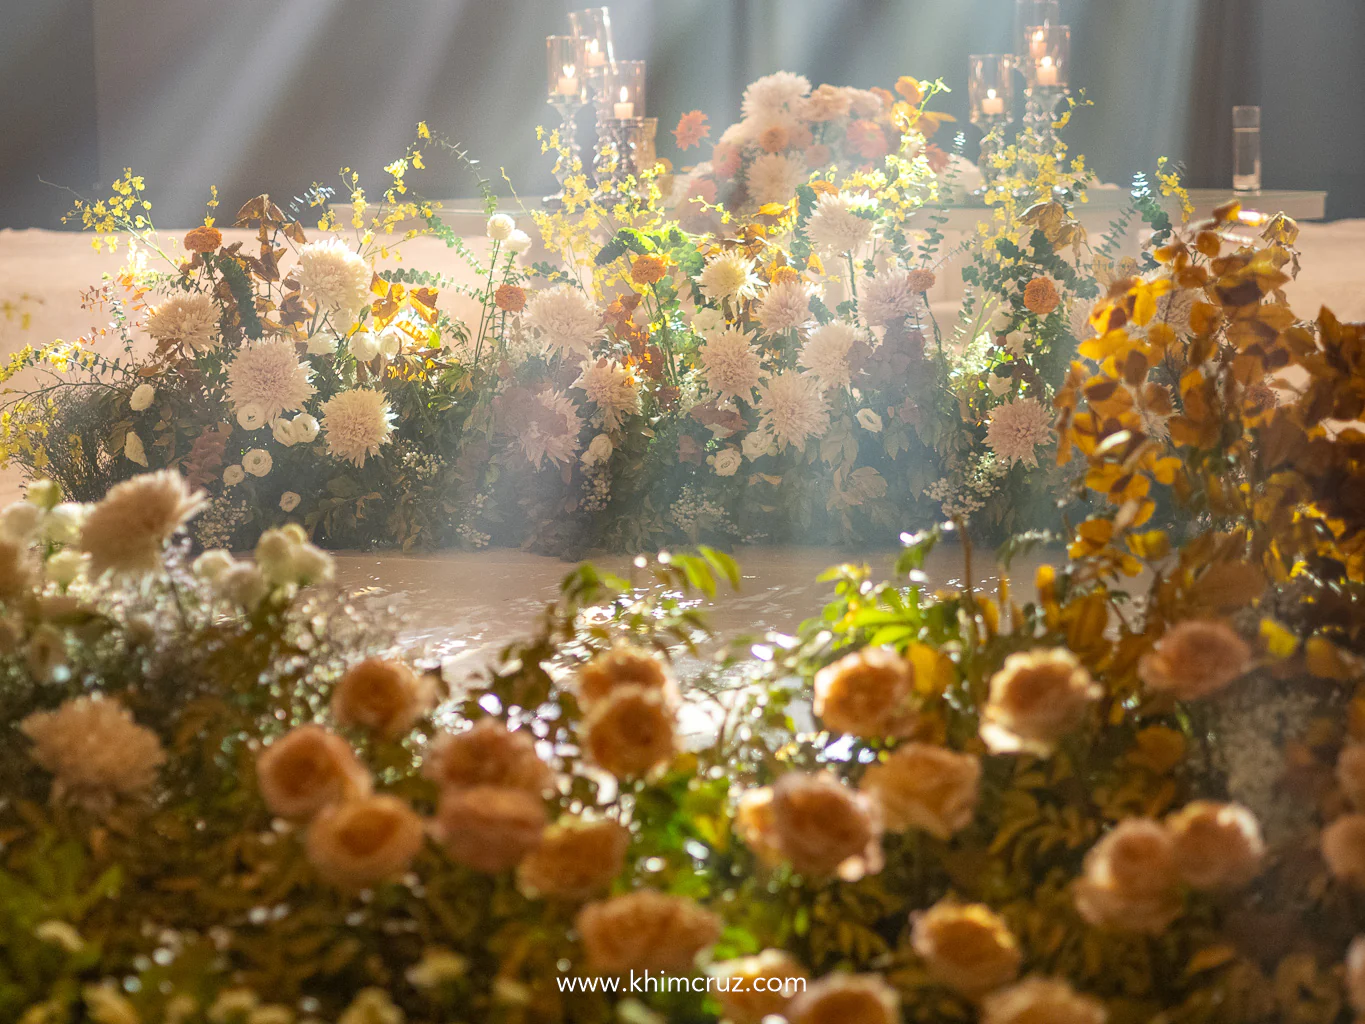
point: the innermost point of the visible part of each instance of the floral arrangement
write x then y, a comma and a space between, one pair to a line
229, 800
779, 377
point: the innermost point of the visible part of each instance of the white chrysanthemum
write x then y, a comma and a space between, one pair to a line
268, 376
127, 531
551, 432
732, 366
566, 319
729, 276
190, 321
94, 749
887, 297
825, 353
774, 93
785, 307
792, 409
1016, 428
611, 388
355, 423
773, 177
837, 224
142, 397
335, 279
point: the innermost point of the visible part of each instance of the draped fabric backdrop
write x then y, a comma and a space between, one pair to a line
275, 94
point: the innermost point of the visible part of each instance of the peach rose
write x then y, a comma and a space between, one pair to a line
926, 787
755, 825
868, 693
307, 769
1131, 882
623, 665
630, 733
822, 827
1040, 296
1216, 845
1195, 658
364, 841
645, 931
576, 859
488, 755
1035, 699
381, 695
754, 987
489, 828
1355, 974
1041, 1001
1351, 773
1343, 848
846, 999
966, 947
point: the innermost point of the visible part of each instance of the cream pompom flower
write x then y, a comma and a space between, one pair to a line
792, 408
610, 387
268, 376
886, 297
355, 423
335, 279
551, 431
773, 178
126, 532
786, 307
94, 749
773, 94
566, 318
838, 224
187, 321
825, 353
729, 276
500, 227
1016, 429
732, 366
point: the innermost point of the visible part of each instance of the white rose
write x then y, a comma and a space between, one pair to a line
20, 520
518, 242
234, 475
1002, 320
242, 584
213, 563
132, 448
251, 416
500, 227
257, 462
304, 428
364, 345
707, 321
312, 564
727, 461
870, 420
599, 450
391, 342
141, 397
63, 567
756, 444
63, 524
289, 501
282, 430
322, 344
1014, 344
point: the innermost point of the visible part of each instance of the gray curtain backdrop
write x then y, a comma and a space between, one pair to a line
271, 95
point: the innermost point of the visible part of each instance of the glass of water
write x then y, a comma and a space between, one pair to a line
1246, 149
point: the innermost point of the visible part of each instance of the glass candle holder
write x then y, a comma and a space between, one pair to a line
1246, 149
593, 27
624, 90
989, 87
1029, 15
1049, 58
568, 80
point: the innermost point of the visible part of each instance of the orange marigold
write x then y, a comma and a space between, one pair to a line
781, 274
648, 268
692, 128
1040, 296
510, 298
920, 280
203, 239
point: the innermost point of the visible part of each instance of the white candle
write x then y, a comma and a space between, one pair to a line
625, 108
1047, 72
568, 85
992, 104
596, 58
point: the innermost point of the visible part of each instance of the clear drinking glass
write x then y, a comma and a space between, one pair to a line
1246, 149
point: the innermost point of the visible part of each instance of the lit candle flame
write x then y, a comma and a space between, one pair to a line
990, 94
569, 70
625, 94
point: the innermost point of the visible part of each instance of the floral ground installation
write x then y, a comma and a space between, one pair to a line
776, 375
1139, 796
